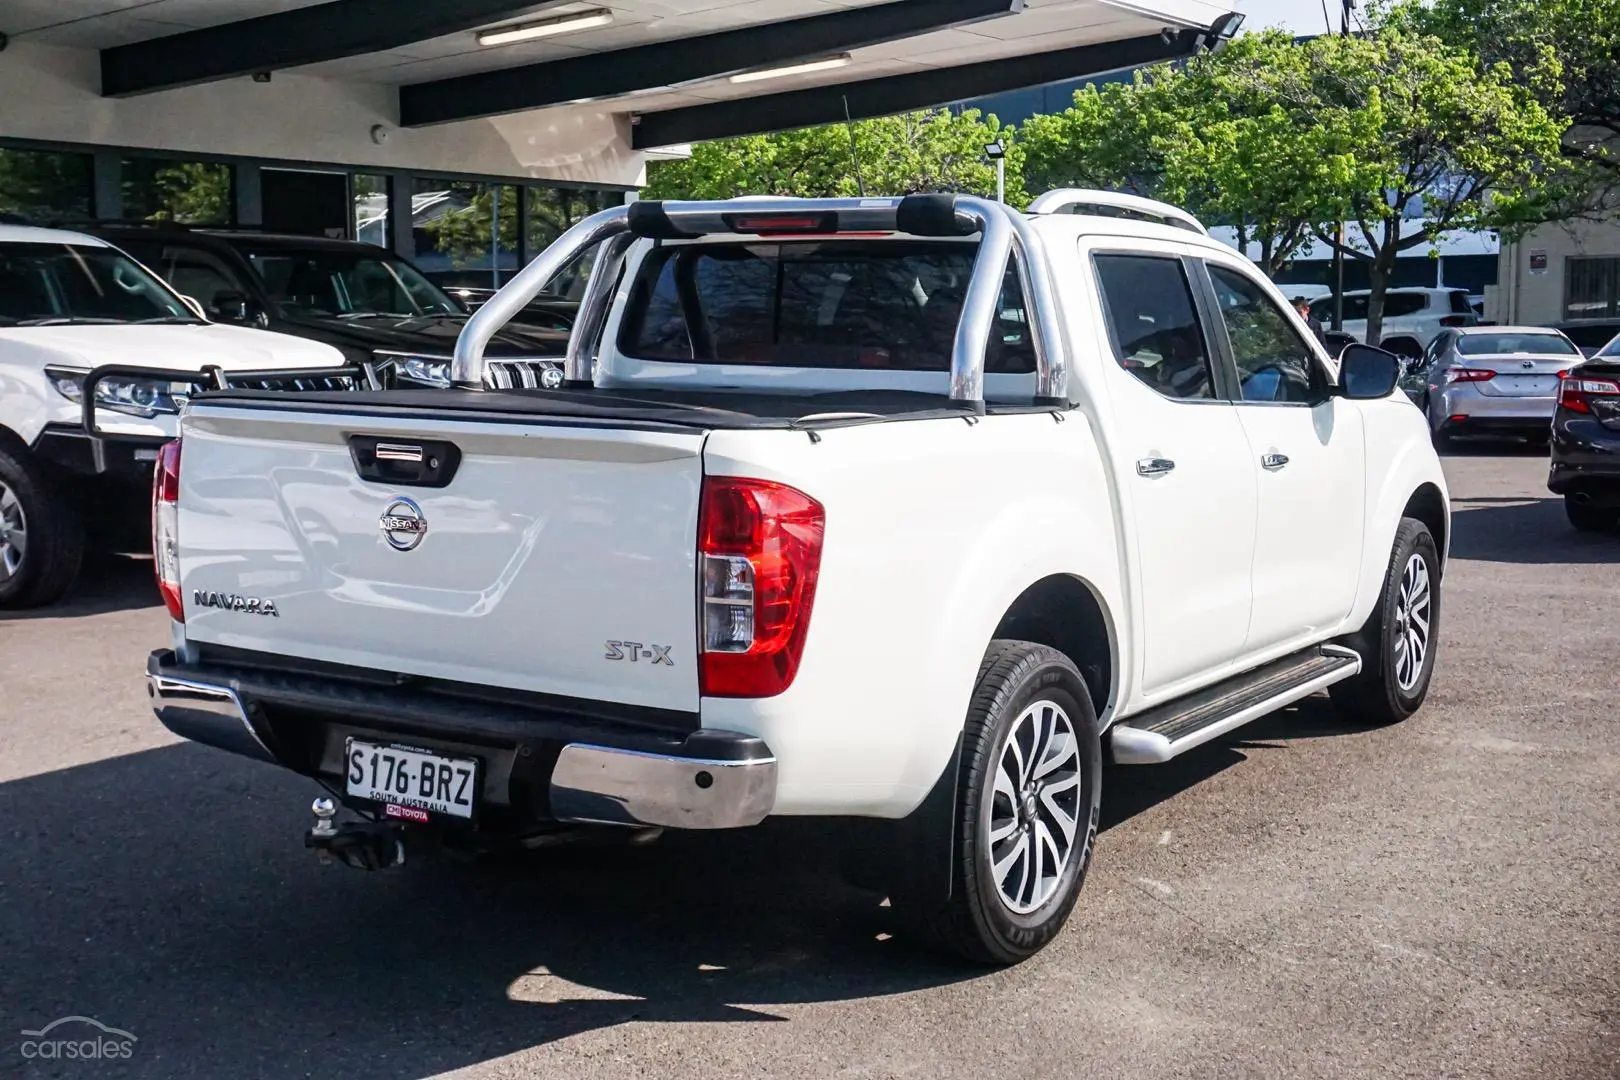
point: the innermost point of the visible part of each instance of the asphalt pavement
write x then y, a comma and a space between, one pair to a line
1302, 899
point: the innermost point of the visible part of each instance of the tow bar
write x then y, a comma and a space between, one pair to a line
364, 845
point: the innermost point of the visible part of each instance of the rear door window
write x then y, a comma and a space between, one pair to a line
885, 304
1398, 304
1153, 325
1460, 304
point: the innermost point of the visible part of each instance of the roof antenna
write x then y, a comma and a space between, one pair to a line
854, 154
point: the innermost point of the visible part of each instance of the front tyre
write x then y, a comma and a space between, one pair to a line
1400, 638
41, 533
1029, 791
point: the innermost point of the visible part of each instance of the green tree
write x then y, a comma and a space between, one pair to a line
896, 155
1209, 136
1567, 52
1424, 138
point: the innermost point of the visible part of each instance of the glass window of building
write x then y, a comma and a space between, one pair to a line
189, 192
42, 186
371, 210
465, 231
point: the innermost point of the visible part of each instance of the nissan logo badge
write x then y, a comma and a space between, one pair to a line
403, 524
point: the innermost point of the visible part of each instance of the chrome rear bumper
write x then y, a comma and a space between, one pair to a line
212, 715
711, 780
631, 787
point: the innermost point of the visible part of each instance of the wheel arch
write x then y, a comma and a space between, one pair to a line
1067, 613
1428, 505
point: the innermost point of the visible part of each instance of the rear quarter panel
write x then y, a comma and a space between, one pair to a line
934, 527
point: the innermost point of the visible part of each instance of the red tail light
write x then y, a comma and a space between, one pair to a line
759, 552
1469, 374
166, 527
1455, 320
1575, 393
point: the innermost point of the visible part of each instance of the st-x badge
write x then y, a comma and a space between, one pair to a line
403, 524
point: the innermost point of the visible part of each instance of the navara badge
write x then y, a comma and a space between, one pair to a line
403, 524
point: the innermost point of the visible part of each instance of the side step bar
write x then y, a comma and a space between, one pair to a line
1158, 735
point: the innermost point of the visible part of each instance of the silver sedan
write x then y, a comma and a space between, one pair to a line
1491, 380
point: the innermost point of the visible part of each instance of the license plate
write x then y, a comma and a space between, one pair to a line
413, 783
1528, 384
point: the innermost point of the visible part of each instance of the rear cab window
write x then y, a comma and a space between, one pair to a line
843, 303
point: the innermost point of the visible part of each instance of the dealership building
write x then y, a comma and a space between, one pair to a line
374, 118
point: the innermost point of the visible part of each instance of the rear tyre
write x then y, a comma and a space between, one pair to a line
1588, 518
1400, 639
1029, 791
41, 532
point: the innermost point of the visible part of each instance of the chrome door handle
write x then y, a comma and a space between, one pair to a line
1273, 461
1154, 466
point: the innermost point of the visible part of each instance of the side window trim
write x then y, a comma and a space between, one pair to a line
1220, 387
1227, 383
1229, 358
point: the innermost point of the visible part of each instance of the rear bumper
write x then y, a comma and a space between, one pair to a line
1585, 460
533, 772
1485, 413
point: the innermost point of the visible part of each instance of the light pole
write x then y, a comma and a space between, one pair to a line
997, 152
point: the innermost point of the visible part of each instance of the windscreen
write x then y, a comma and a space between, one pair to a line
51, 284
339, 282
1612, 348
883, 304
1507, 344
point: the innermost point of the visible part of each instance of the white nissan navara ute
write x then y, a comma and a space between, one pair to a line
96, 357
900, 512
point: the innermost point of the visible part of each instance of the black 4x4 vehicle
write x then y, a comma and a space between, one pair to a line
367, 301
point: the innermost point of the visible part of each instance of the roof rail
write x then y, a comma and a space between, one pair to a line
1080, 200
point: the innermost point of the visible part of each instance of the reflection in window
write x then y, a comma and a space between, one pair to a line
370, 222
44, 186
189, 192
465, 231
1273, 361
1150, 316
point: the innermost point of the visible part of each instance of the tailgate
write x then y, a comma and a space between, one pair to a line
551, 549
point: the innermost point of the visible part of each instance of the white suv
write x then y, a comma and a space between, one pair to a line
1412, 317
76, 312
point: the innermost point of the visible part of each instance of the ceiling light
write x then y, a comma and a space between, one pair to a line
824, 64
563, 24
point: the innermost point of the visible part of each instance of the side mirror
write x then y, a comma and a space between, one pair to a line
232, 305
196, 308
1367, 373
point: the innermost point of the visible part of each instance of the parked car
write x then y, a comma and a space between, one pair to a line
1585, 467
365, 300
1492, 380
1590, 335
831, 535
80, 320
554, 308
1412, 316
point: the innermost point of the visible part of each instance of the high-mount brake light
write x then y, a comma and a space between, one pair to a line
1469, 374
166, 527
766, 224
1575, 393
759, 553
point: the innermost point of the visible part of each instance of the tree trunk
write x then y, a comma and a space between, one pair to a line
1378, 275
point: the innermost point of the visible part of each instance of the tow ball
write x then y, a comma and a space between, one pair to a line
364, 845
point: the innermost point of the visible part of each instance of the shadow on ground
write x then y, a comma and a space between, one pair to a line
167, 893
1528, 530
107, 583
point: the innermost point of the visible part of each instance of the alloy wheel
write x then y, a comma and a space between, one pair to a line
1035, 807
1414, 606
13, 533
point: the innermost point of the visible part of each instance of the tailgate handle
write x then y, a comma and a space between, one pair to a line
429, 463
